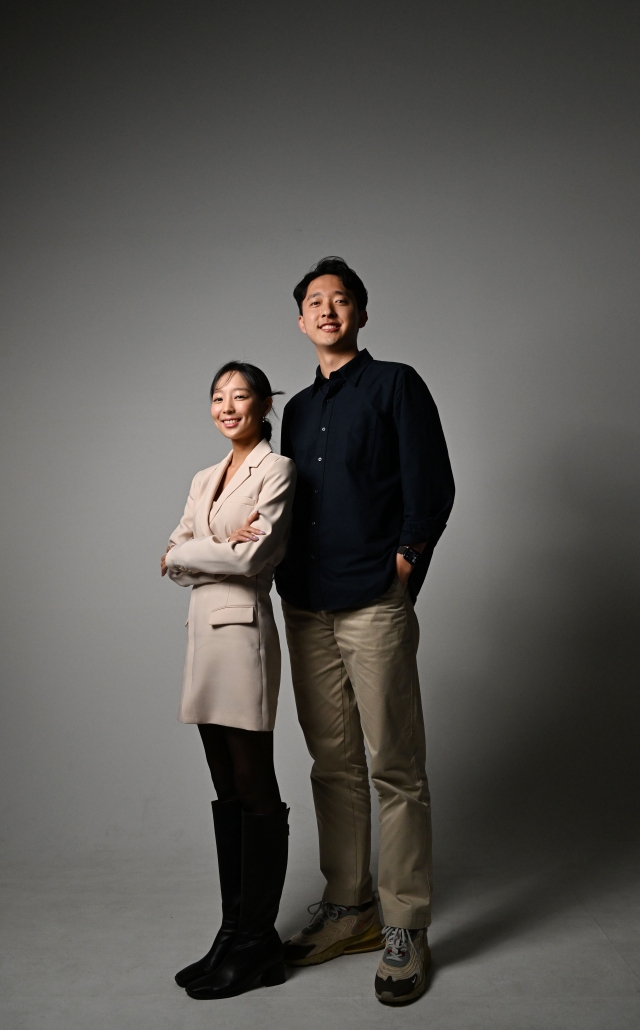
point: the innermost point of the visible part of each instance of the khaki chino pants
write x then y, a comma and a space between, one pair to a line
355, 679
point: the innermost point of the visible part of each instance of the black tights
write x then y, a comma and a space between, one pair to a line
241, 766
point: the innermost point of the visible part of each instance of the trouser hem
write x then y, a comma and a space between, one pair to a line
347, 898
405, 922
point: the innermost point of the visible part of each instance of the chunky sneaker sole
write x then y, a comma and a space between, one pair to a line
371, 940
389, 998
402, 973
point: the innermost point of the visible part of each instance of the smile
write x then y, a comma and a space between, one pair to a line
230, 422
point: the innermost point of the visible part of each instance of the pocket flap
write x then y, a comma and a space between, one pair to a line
225, 616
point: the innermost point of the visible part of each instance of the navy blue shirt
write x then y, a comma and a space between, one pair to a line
373, 473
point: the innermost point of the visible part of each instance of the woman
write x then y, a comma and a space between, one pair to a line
230, 539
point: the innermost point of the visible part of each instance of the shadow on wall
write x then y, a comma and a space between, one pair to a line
546, 780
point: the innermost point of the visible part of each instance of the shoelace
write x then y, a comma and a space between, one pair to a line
324, 910
397, 941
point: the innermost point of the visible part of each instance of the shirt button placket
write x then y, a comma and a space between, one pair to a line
321, 456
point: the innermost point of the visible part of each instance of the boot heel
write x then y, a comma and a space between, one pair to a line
274, 975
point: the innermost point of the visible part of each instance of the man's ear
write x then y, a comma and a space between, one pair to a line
301, 325
363, 319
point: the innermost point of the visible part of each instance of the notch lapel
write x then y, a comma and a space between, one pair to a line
203, 505
252, 460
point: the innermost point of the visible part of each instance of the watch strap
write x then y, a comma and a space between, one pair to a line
409, 554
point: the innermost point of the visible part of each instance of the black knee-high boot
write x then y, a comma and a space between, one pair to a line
227, 823
257, 950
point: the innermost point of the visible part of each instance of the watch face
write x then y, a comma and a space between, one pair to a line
409, 554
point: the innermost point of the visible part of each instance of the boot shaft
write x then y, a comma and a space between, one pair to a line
227, 824
265, 848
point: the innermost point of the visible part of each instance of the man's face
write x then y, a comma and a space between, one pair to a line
330, 316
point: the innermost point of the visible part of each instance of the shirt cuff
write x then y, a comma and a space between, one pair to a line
421, 531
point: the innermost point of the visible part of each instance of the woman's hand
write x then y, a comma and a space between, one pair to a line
246, 533
163, 564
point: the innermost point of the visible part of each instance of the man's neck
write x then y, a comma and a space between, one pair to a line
331, 361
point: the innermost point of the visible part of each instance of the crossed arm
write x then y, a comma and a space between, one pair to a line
196, 560
244, 535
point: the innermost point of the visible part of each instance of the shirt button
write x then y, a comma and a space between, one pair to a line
315, 491
313, 523
319, 459
323, 429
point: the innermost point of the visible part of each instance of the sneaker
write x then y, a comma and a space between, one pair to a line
402, 973
335, 930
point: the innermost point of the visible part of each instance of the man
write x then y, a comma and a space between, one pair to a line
373, 496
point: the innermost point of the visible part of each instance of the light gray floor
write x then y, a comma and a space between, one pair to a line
95, 946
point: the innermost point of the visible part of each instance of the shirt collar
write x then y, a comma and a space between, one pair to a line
350, 372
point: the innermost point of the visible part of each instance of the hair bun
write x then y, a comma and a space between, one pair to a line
267, 429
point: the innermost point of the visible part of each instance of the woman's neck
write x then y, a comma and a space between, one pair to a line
241, 449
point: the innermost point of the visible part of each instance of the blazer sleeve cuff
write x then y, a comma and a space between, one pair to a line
183, 574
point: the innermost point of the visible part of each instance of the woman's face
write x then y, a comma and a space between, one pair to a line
236, 409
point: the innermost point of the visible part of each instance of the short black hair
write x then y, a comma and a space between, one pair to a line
256, 379
333, 265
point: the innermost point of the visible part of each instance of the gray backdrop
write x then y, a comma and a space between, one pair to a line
170, 171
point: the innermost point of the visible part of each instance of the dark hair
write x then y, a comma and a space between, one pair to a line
256, 379
333, 265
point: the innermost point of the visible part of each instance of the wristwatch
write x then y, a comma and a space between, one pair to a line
409, 554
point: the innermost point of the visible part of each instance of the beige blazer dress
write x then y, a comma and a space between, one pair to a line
232, 666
